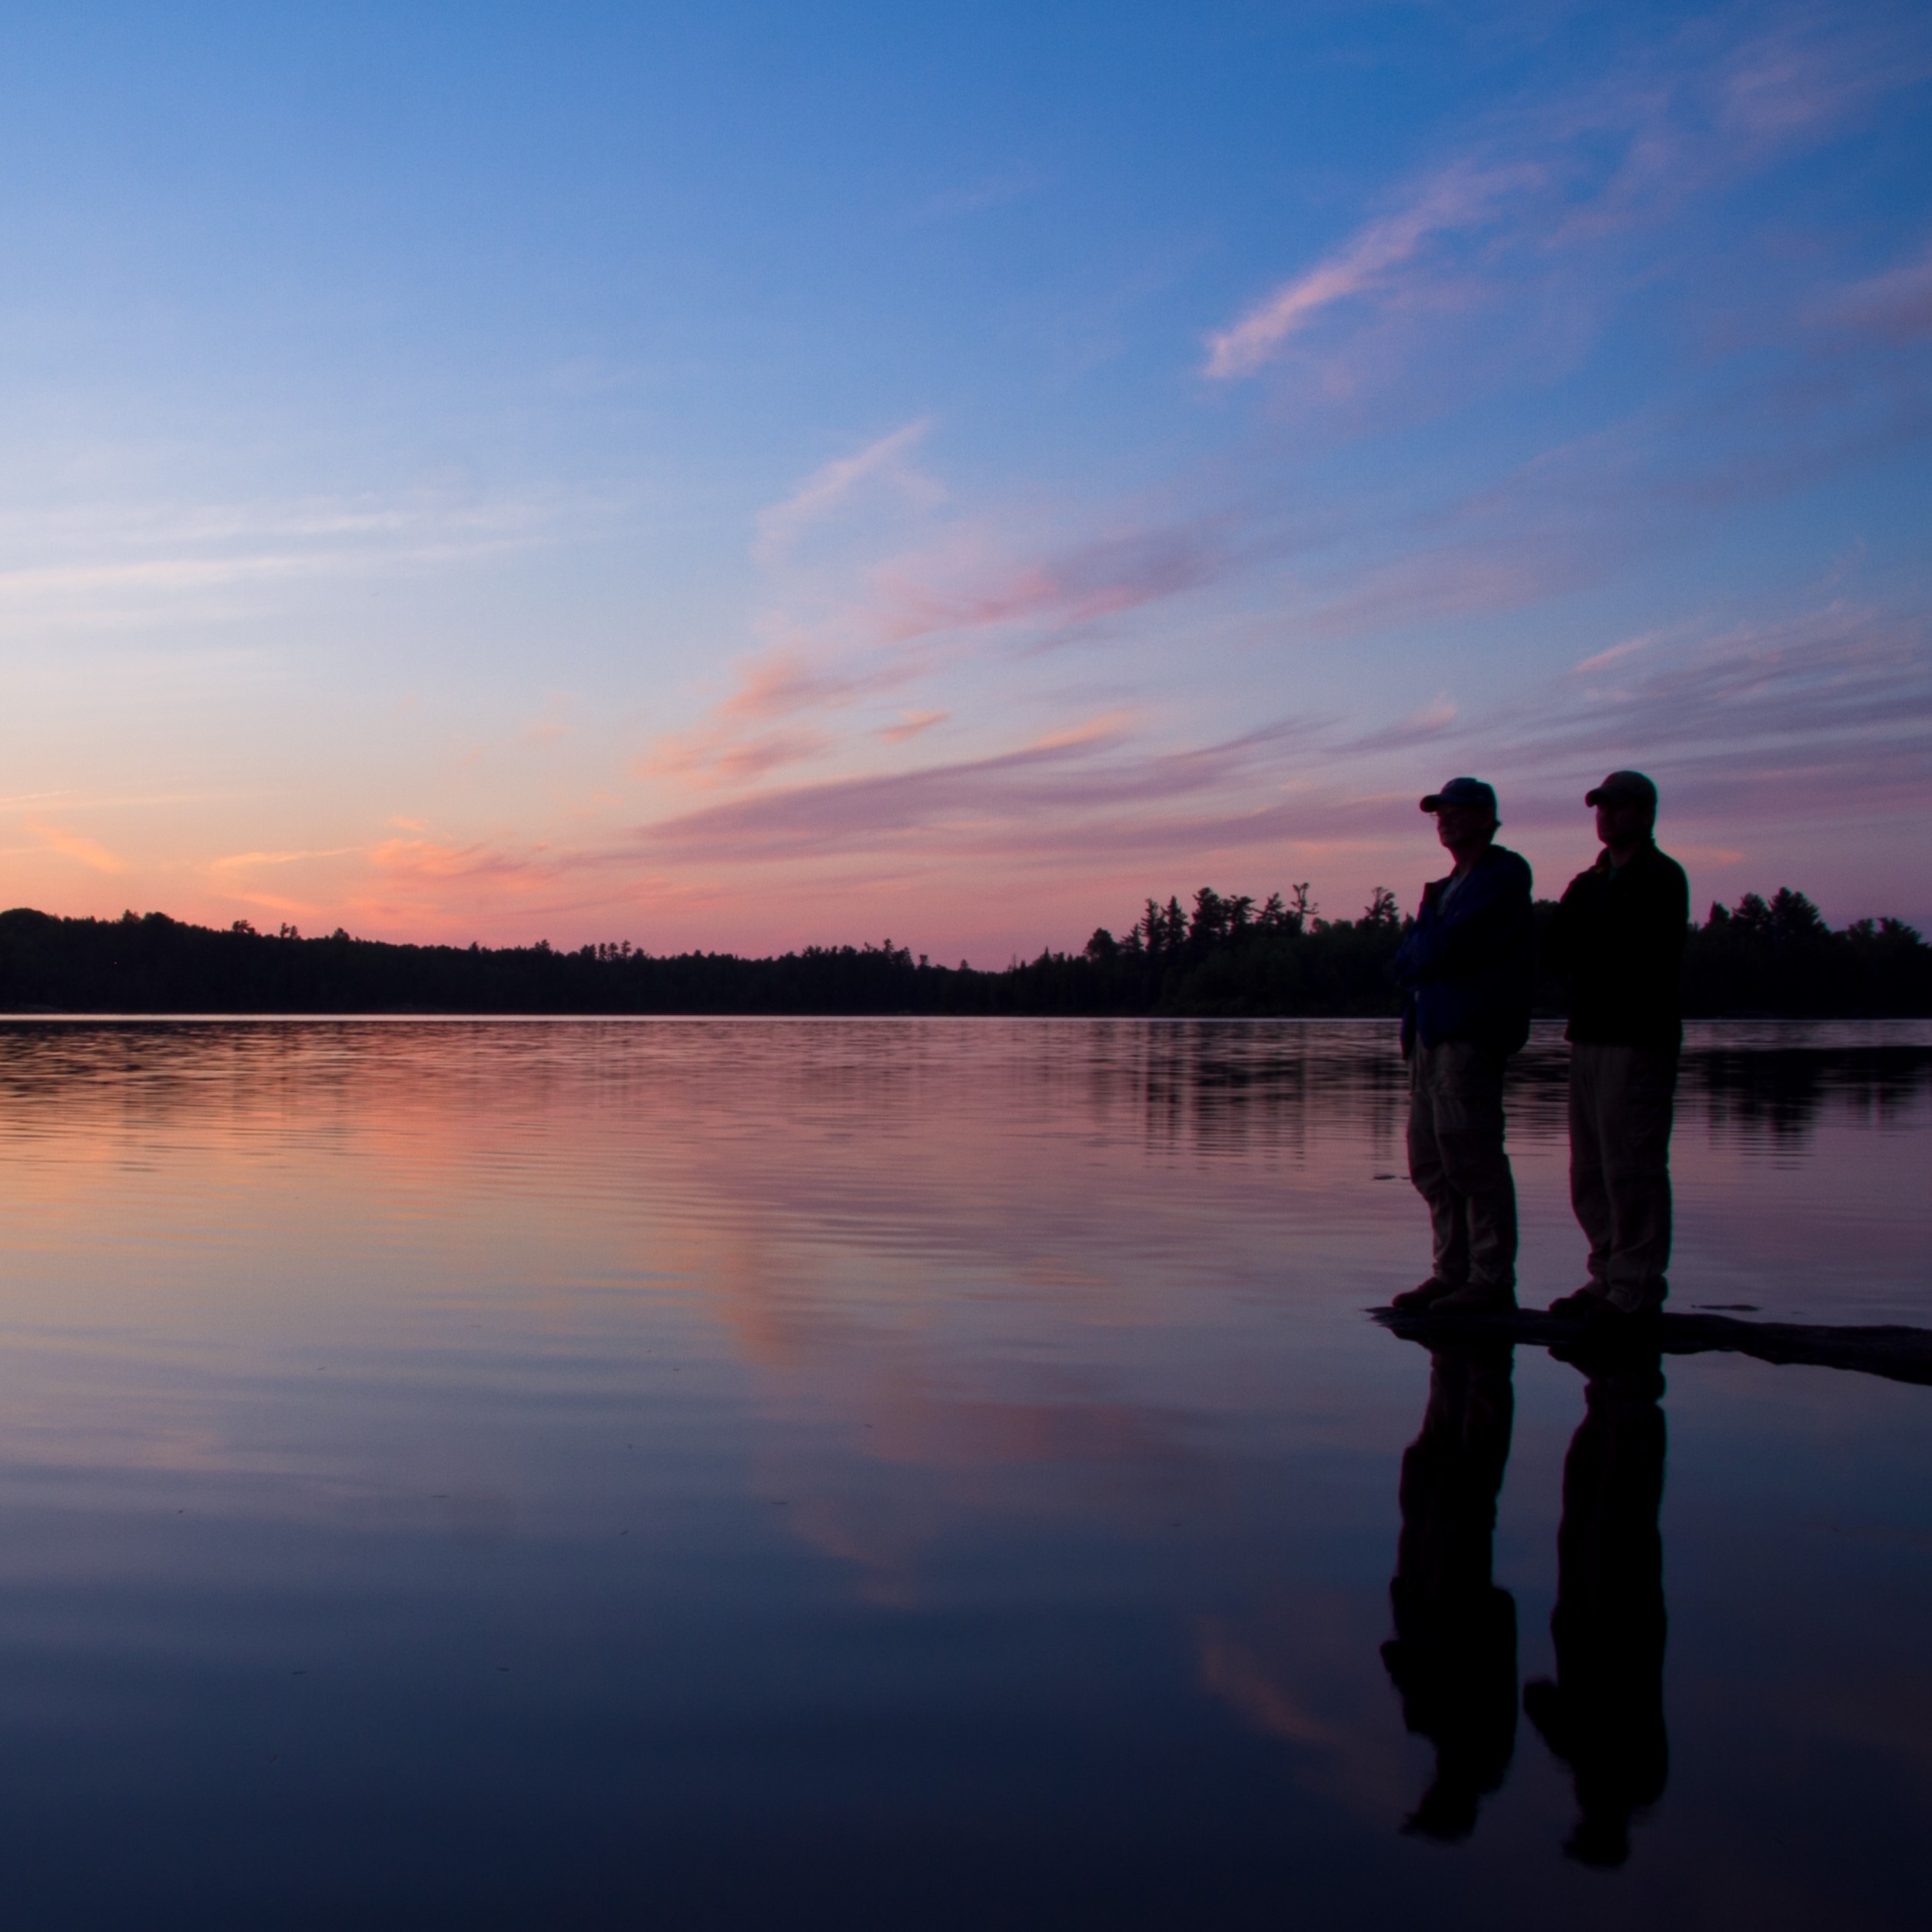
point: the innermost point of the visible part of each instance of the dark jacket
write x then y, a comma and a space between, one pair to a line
1619, 933
1466, 967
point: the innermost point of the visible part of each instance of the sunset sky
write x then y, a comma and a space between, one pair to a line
744, 476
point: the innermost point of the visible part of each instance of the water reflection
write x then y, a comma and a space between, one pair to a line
1780, 1092
854, 1474
1453, 1656
1227, 1088
1604, 1713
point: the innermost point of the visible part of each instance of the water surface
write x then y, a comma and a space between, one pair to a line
918, 1473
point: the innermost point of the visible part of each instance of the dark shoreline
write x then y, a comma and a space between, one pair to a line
1777, 960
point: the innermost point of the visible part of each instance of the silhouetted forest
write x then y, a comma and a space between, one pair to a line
1225, 956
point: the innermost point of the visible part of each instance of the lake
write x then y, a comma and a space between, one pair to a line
912, 1473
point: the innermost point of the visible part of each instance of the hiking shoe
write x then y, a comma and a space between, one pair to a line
1574, 1306
1413, 1301
1477, 1298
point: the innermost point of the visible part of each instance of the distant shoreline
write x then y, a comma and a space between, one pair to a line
1226, 958
1546, 1026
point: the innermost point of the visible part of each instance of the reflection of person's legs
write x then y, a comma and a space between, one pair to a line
1448, 1228
1604, 1715
1453, 1657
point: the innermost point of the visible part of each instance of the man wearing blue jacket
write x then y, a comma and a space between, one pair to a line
1466, 967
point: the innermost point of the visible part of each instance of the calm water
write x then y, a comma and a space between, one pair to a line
922, 1474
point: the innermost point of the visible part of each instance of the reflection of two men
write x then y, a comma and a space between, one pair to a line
1453, 1657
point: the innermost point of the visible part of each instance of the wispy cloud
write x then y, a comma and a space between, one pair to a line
1053, 789
78, 847
829, 488
1841, 688
1828, 712
780, 683
1824, 715
1431, 721
1597, 659
1462, 197
971, 593
1817, 719
250, 862
719, 756
743, 737
1538, 183
110, 558
430, 858
1055, 592
1581, 511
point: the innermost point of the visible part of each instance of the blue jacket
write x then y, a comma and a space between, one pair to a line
1467, 968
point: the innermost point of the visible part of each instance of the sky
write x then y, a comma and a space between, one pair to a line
756, 476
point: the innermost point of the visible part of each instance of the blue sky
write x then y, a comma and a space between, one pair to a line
792, 475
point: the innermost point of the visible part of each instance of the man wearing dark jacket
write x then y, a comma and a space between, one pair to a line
1618, 934
1465, 968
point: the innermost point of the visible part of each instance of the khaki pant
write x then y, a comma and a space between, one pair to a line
1456, 1160
1621, 1099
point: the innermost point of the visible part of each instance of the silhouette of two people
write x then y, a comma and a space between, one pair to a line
1453, 1657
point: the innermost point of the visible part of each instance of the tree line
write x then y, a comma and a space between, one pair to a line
1225, 955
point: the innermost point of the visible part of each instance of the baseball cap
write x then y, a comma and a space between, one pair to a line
1623, 788
1462, 791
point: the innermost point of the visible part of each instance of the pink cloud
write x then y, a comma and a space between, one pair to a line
1598, 659
1062, 590
1461, 198
703, 758
1056, 789
1769, 740
891, 638
778, 683
1431, 721
774, 684
78, 846
420, 861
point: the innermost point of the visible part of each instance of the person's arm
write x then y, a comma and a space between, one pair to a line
1562, 936
1660, 916
1680, 905
1485, 923
1407, 972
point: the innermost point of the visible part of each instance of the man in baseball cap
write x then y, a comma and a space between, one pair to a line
1625, 788
1618, 934
1465, 969
1465, 791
